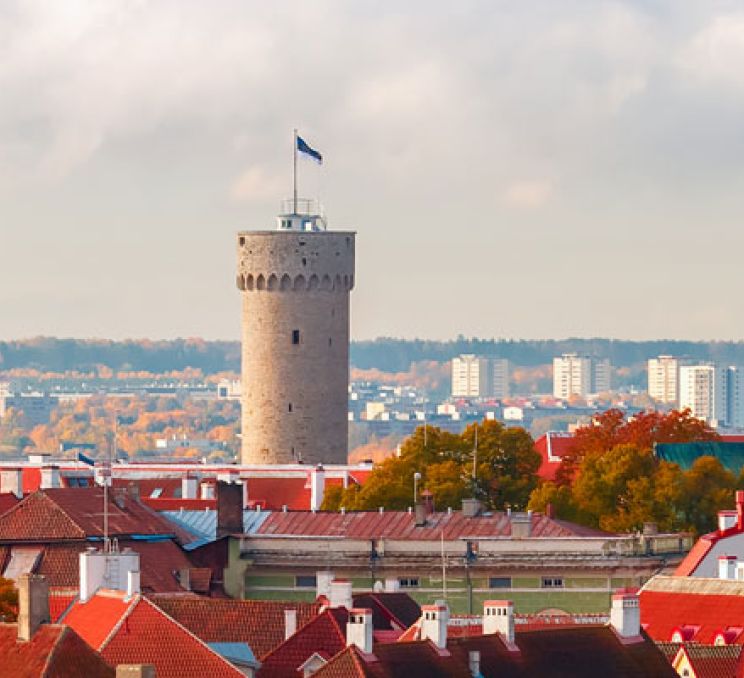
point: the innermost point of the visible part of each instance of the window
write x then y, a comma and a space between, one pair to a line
408, 582
552, 582
295, 337
289, 407
499, 582
305, 581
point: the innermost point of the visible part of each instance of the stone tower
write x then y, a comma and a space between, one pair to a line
295, 282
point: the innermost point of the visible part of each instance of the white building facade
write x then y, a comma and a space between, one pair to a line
703, 389
663, 379
480, 377
576, 375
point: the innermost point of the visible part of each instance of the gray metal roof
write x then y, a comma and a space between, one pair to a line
203, 524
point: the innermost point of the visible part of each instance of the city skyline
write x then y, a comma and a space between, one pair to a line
487, 156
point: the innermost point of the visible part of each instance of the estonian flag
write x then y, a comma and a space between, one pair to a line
85, 460
302, 147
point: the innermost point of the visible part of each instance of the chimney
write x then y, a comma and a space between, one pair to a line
290, 623
133, 490
133, 583
521, 525
625, 615
359, 629
189, 486
726, 520
135, 671
341, 594
471, 508
727, 567
120, 497
427, 499
207, 489
420, 514
33, 604
498, 617
184, 578
11, 480
550, 510
49, 477
434, 620
111, 570
740, 509
317, 487
229, 508
323, 579
474, 663
392, 584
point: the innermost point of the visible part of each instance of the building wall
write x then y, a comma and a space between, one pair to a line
702, 389
295, 345
663, 379
480, 377
572, 375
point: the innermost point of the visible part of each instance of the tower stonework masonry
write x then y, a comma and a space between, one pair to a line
295, 285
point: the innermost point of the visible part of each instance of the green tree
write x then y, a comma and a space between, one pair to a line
708, 487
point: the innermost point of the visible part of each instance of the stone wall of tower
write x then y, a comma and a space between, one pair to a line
295, 345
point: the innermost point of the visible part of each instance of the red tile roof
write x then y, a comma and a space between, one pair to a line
60, 564
402, 525
77, 513
7, 501
552, 446
54, 652
325, 633
712, 661
259, 623
706, 607
389, 610
60, 600
139, 632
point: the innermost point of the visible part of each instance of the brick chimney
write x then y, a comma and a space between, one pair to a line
434, 620
498, 617
740, 509
521, 525
135, 671
625, 615
49, 477
341, 594
189, 486
359, 629
33, 604
427, 499
229, 508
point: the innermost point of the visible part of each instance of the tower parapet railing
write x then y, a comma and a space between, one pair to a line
307, 207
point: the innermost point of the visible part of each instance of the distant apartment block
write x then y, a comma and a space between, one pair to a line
480, 377
735, 396
575, 375
663, 379
229, 389
703, 389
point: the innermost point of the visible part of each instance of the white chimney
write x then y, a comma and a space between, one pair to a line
341, 594
392, 584
111, 570
323, 580
11, 480
49, 477
317, 487
726, 519
207, 490
290, 623
474, 663
133, 583
625, 615
434, 620
189, 487
498, 617
727, 567
359, 629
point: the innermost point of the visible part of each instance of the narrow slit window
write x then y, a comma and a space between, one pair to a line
295, 337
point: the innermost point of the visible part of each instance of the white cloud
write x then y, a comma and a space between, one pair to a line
716, 53
528, 194
256, 184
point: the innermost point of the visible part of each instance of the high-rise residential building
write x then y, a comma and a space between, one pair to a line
704, 390
663, 379
480, 377
575, 375
295, 283
735, 396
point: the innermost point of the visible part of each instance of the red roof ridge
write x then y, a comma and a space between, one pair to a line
41, 494
46, 494
186, 631
51, 653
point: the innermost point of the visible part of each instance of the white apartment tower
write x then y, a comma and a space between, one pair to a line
480, 377
704, 390
663, 379
575, 375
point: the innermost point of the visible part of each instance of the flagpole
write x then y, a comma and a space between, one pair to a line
294, 173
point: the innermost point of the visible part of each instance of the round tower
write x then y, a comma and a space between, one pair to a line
295, 282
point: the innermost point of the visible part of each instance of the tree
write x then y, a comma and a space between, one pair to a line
708, 486
8, 600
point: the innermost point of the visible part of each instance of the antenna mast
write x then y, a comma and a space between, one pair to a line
444, 569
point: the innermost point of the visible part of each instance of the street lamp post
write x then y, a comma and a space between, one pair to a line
416, 478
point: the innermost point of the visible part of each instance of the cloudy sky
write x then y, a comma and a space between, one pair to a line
542, 168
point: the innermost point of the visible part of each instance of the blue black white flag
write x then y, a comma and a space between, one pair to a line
85, 460
303, 147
